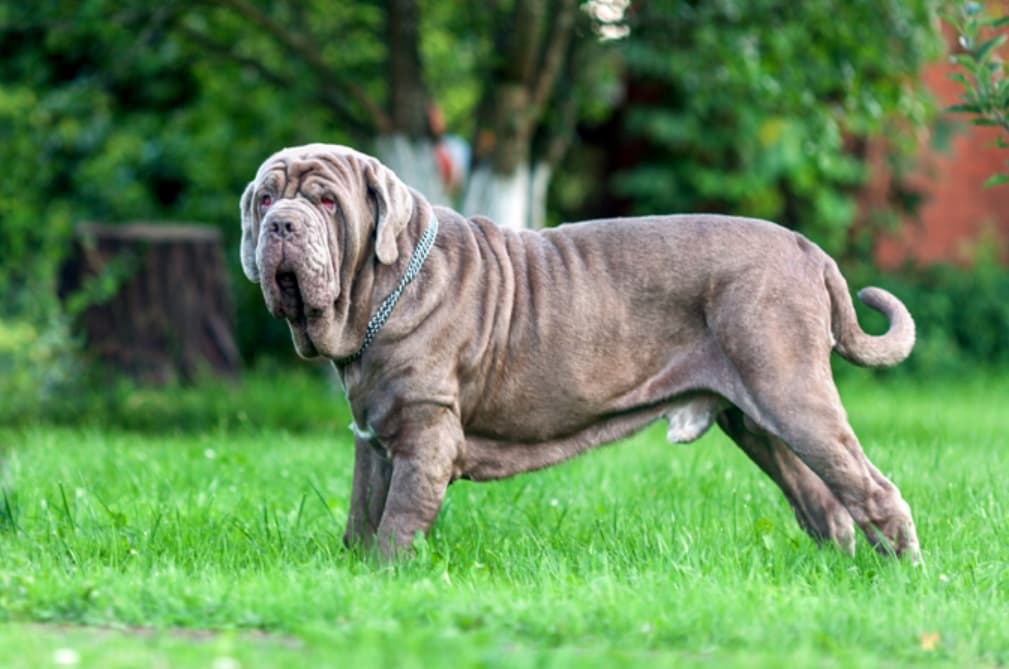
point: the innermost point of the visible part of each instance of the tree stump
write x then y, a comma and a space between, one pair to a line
152, 300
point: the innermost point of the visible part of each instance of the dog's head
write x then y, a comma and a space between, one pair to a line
313, 217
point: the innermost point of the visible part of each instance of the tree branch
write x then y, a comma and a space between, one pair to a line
408, 98
296, 44
553, 138
220, 49
522, 42
328, 97
560, 137
553, 56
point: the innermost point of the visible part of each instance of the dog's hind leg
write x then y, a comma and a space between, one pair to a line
800, 406
817, 510
783, 383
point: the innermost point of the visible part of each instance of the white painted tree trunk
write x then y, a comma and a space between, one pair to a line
413, 161
517, 200
538, 186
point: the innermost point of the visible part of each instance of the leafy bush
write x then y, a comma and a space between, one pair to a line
38, 367
309, 400
760, 108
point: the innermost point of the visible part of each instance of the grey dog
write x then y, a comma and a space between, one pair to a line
471, 351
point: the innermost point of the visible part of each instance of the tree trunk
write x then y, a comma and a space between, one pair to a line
152, 300
509, 180
539, 184
414, 162
518, 200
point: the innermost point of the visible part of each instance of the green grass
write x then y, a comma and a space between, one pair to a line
208, 535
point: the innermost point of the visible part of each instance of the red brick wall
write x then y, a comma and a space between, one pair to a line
956, 215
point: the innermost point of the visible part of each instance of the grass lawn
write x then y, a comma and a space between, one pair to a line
202, 529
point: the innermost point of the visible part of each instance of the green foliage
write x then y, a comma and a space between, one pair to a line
38, 366
311, 400
759, 108
983, 76
114, 111
106, 114
36, 351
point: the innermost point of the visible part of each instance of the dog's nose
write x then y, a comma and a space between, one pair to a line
283, 228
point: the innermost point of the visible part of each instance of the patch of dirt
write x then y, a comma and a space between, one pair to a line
190, 634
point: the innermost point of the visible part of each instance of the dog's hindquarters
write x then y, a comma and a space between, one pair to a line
793, 401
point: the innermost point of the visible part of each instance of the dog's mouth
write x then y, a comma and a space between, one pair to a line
290, 304
298, 288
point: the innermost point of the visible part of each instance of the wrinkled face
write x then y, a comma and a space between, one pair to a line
308, 217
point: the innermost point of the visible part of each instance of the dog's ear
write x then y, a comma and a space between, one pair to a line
250, 233
393, 209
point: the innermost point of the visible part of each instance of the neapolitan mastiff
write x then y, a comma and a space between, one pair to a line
471, 351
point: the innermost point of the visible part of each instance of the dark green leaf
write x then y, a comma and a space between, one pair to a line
964, 108
960, 79
996, 180
965, 60
985, 49
972, 66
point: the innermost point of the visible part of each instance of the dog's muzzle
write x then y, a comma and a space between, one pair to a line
294, 266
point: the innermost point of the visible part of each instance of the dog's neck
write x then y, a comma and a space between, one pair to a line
381, 315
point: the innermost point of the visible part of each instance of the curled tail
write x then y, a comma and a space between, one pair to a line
851, 341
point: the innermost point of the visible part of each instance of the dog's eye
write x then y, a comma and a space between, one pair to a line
327, 202
265, 202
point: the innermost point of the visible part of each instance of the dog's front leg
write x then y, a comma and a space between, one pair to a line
422, 466
372, 473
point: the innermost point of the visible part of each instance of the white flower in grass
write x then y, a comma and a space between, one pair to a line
209, 454
66, 657
226, 663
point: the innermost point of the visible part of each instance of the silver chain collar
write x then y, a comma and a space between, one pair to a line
420, 252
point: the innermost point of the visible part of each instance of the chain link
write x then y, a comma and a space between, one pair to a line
420, 252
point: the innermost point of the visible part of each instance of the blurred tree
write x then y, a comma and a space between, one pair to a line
359, 63
366, 63
107, 114
118, 110
763, 107
531, 49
